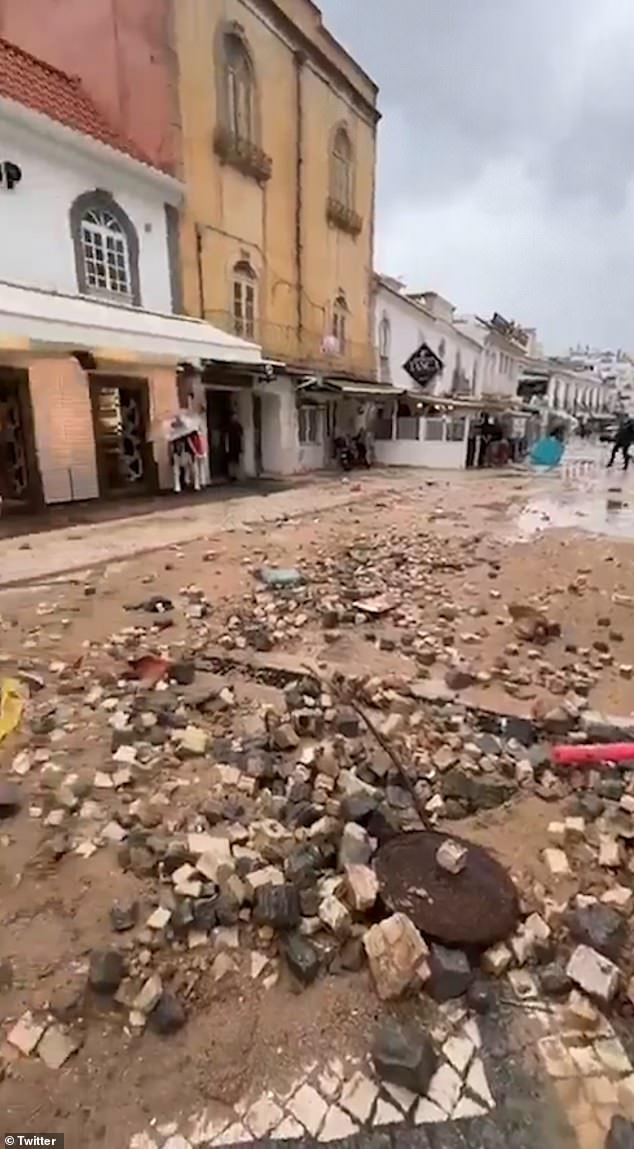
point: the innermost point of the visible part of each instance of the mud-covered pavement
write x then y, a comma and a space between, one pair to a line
168, 1001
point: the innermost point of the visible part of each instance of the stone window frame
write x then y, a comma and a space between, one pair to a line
226, 31
100, 200
244, 280
340, 314
339, 132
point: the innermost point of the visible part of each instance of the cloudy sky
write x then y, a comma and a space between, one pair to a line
506, 159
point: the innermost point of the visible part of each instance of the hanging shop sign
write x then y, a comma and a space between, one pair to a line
10, 175
424, 365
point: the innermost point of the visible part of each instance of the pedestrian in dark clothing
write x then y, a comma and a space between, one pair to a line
622, 442
235, 436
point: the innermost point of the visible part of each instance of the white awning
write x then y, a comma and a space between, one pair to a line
32, 320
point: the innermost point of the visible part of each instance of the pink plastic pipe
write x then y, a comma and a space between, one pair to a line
593, 755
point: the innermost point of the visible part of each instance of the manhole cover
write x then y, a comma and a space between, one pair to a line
477, 907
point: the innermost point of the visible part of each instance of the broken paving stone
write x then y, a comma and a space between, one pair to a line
336, 916
450, 973
222, 965
497, 960
347, 722
594, 974
362, 887
56, 1047
123, 918
355, 847
159, 918
106, 971
404, 1055
277, 906
168, 1016
397, 955
557, 863
451, 856
554, 980
26, 1034
193, 741
609, 852
601, 928
285, 737
149, 995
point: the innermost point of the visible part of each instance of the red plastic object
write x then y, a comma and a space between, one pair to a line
593, 755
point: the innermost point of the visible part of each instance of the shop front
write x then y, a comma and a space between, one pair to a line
81, 385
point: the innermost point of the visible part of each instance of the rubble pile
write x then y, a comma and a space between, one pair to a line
253, 829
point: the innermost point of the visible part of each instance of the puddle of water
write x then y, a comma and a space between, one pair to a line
608, 513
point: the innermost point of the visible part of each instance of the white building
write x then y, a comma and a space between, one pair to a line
89, 343
567, 388
462, 366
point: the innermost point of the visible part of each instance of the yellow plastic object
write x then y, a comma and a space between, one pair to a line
11, 705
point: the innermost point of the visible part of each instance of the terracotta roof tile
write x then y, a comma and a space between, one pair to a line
61, 97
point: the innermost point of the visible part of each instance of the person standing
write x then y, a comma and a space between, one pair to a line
235, 439
622, 442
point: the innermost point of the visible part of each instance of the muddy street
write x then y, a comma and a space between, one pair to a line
198, 943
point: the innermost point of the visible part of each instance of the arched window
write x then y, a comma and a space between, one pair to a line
106, 248
385, 338
239, 80
341, 179
244, 299
339, 321
106, 255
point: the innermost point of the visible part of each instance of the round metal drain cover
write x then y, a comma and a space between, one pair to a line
476, 907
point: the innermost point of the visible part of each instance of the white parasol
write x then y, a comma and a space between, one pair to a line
178, 426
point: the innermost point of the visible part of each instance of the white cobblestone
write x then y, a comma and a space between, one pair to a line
468, 1108
337, 1125
386, 1114
308, 1107
358, 1096
235, 1134
428, 1113
288, 1130
444, 1089
263, 1115
477, 1083
459, 1051
404, 1098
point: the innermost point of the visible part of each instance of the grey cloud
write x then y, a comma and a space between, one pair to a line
506, 153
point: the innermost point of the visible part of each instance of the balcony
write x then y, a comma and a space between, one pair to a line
282, 342
345, 218
244, 155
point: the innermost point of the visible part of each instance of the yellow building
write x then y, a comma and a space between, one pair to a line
279, 152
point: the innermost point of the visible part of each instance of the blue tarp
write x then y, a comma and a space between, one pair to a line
547, 452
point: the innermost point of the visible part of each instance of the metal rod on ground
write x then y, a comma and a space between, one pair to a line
383, 743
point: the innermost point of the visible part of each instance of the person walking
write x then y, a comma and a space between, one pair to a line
235, 437
622, 442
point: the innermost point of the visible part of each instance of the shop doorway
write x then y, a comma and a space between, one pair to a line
257, 433
219, 408
120, 414
20, 485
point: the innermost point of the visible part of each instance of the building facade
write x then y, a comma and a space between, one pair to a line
279, 152
411, 432
89, 347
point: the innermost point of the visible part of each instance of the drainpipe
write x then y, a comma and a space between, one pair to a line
300, 60
199, 271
